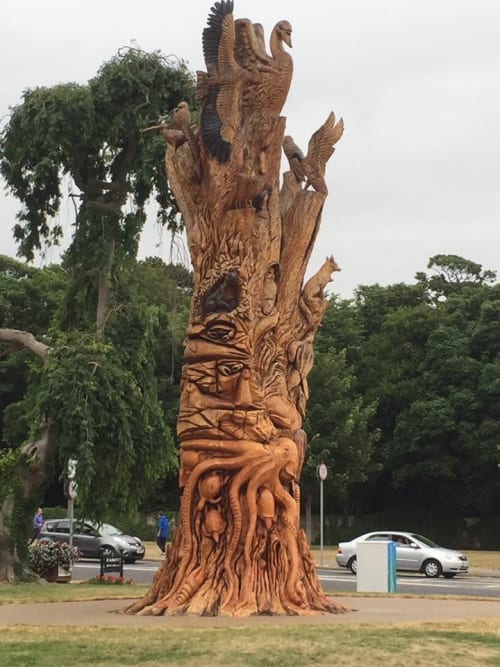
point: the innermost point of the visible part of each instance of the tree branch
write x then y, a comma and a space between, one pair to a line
25, 339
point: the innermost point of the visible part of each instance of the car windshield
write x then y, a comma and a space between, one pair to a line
425, 540
107, 529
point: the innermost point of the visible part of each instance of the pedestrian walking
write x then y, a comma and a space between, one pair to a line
38, 522
163, 531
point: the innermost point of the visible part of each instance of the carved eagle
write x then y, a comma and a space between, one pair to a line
219, 87
321, 147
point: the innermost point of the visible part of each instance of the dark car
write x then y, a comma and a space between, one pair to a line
94, 540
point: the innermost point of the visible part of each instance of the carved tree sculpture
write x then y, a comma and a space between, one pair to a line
239, 549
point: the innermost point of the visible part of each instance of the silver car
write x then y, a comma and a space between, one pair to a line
414, 553
94, 540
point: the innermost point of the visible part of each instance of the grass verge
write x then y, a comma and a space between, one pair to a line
21, 593
453, 643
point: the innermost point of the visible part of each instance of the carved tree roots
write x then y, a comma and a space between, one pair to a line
245, 553
239, 549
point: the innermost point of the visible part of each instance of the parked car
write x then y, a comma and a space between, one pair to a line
414, 553
94, 540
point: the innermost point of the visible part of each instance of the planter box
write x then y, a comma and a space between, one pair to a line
58, 574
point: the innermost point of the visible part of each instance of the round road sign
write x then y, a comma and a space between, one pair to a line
322, 471
71, 489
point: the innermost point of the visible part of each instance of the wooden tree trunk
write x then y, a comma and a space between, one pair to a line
239, 549
38, 454
24, 482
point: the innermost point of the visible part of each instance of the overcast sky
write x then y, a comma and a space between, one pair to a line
416, 81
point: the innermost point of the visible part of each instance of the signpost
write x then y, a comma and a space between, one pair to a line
71, 492
322, 472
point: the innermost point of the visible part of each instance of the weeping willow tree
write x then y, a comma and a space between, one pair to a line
248, 350
92, 393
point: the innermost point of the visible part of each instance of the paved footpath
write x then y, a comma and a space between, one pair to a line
373, 610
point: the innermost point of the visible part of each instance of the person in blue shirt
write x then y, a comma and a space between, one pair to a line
38, 522
163, 531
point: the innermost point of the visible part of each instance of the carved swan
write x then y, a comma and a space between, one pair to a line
268, 92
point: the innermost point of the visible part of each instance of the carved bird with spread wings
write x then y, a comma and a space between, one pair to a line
219, 87
311, 168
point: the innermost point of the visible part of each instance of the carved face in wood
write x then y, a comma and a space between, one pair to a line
226, 379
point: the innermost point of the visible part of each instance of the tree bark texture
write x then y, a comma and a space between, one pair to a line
39, 454
239, 549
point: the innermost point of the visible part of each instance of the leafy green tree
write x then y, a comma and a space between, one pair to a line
29, 299
338, 415
452, 273
93, 135
94, 394
426, 356
446, 439
423, 362
337, 422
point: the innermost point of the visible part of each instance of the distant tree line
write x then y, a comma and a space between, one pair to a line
405, 394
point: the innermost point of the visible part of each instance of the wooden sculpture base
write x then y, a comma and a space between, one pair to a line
270, 590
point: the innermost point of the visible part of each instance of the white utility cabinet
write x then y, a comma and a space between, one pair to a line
376, 567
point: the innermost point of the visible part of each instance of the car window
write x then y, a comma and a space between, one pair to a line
425, 540
108, 529
62, 527
50, 527
87, 529
378, 536
401, 540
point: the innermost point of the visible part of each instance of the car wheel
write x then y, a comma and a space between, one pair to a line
449, 575
353, 565
108, 552
432, 568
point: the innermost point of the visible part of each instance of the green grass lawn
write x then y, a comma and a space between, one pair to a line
440, 645
458, 643
44, 592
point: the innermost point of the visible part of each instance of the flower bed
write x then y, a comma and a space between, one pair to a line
109, 579
43, 557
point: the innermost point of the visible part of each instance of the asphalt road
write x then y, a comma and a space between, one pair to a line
333, 580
